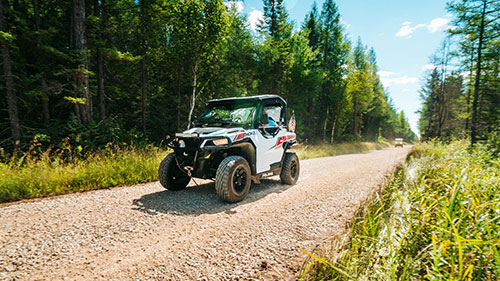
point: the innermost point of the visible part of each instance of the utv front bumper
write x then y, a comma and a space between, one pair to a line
199, 156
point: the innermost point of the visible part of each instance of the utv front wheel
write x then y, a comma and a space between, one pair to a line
291, 169
233, 179
170, 175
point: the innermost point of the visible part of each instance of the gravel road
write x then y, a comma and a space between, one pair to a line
144, 232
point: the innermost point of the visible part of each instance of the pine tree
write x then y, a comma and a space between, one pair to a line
312, 27
83, 107
477, 21
275, 22
334, 54
274, 53
5, 39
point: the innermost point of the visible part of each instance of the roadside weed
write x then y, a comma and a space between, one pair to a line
40, 173
46, 173
436, 219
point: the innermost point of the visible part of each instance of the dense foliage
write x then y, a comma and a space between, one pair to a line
465, 101
126, 70
437, 219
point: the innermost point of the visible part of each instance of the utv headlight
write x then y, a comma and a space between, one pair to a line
182, 144
220, 142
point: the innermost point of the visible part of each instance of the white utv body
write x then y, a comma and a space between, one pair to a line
235, 141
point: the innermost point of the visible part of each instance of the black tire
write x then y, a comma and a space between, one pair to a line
291, 169
170, 176
233, 179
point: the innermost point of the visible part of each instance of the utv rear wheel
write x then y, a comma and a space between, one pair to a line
170, 175
291, 169
233, 179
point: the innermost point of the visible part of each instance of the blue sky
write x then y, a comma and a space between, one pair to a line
404, 34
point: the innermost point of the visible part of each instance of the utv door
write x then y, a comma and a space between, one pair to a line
270, 136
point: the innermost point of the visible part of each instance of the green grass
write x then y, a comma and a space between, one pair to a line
42, 174
323, 150
436, 219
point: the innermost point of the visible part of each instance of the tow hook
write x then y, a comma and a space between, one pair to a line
188, 170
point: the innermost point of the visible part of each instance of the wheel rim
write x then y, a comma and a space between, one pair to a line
240, 178
177, 175
293, 169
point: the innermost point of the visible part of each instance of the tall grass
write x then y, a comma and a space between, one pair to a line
39, 174
323, 150
438, 219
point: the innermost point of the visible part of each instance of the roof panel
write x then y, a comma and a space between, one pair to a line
260, 97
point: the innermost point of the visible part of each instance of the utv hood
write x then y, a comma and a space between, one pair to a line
213, 131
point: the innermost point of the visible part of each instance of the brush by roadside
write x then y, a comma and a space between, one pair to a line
48, 174
436, 219
45, 173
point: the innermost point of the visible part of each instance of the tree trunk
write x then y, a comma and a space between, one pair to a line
178, 90
193, 96
100, 12
309, 109
45, 92
144, 93
332, 136
440, 110
474, 125
442, 102
354, 113
36, 10
81, 75
467, 120
9, 86
45, 103
100, 85
144, 74
325, 123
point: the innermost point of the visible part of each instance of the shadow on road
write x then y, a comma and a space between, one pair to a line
201, 199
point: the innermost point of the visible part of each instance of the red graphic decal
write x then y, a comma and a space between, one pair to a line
281, 140
241, 135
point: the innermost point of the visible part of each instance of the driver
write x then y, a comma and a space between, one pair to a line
271, 122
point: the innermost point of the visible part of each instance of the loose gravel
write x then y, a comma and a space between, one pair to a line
144, 232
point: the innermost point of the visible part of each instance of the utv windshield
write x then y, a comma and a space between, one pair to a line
228, 113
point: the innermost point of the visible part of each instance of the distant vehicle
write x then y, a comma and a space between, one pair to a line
235, 141
398, 142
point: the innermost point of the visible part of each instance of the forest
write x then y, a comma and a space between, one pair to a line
93, 72
461, 95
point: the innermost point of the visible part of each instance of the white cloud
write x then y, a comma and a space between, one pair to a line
254, 18
399, 80
236, 4
435, 25
406, 30
383, 73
